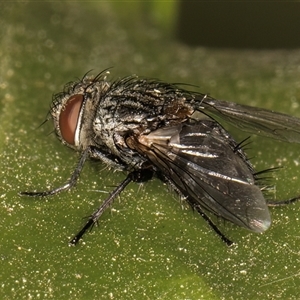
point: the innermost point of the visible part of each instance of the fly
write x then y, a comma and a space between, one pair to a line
153, 129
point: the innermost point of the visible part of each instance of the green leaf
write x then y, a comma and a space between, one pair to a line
149, 245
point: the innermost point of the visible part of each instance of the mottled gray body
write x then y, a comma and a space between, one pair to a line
135, 124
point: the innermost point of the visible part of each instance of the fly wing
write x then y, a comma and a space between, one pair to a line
201, 160
252, 119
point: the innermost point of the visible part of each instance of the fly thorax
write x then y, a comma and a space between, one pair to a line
104, 129
110, 133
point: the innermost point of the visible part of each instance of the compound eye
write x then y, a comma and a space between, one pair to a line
69, 117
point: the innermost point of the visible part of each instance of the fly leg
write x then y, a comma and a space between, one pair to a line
198, 209
136, 176
69, 184
213, 226
284, 202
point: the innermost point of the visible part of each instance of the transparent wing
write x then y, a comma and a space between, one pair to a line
256, 120
200, 159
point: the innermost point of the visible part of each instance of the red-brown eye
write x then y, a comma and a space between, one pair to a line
69, 117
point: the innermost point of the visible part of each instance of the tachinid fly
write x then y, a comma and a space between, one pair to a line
150, 128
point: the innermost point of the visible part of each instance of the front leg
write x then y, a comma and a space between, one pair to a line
70, 183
